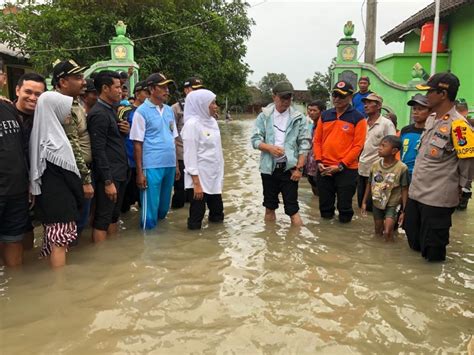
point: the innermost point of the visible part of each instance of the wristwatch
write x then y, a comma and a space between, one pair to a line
107, 182
300, 169
340, 166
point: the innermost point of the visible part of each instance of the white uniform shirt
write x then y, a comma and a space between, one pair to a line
203, 156
280, 123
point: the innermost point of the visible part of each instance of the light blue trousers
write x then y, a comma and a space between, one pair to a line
156, 198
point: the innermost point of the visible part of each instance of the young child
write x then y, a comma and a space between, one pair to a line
388, 182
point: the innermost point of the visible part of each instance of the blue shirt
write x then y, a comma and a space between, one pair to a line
357, 101
410, 137
127, 113
156, 128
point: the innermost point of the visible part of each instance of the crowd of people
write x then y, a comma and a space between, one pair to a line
84, 152
414, 177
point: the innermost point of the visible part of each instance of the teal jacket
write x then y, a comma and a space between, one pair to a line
297, 138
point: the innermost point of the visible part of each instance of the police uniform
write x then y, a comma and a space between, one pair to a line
443, 165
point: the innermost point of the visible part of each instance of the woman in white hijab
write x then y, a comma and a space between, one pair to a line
203, 158
54, 176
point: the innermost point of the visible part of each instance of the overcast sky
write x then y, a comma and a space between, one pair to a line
299, 37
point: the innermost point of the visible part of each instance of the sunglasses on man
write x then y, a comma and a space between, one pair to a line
339, 95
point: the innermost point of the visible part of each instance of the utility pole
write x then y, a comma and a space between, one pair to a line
434, 49
370, 31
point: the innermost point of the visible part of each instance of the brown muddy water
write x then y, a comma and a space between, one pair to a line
244, 287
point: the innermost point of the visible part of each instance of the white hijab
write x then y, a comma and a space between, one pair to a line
48, 141
197, 106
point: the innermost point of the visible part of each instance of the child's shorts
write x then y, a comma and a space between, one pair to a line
388, 212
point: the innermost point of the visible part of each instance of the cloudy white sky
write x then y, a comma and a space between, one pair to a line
299, 37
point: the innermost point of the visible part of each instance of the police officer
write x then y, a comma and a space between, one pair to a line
443, 167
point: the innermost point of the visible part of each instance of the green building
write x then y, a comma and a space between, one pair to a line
394, 76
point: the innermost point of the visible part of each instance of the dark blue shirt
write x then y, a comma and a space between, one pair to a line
357, 101
127, 113
410, 137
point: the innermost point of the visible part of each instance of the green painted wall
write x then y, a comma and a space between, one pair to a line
412, 43
398, 66
461, 43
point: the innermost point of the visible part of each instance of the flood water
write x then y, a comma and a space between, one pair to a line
244, 287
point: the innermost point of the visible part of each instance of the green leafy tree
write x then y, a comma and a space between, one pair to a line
213, 50
268, 82
319, 86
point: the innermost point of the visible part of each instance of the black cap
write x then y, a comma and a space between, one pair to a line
64, 68
344, 88
157, 79
418, 99
441, 81
366, 78
141, 85
194, 83
90, 85
123, 75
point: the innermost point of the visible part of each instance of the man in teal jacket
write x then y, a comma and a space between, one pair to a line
281, 134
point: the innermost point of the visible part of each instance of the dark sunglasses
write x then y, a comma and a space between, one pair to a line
339, 95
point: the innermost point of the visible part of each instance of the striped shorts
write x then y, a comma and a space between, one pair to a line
59, 234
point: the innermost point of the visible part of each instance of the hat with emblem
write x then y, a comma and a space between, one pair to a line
64, 68
344, 88
158, 79
373, 97
193, 83
441, 81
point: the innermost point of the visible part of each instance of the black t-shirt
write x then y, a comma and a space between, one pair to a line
26, 123
108, 146
13, 166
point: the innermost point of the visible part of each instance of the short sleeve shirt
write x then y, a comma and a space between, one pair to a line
386, 183
157, 130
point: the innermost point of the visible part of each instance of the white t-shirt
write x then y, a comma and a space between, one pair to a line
280, 123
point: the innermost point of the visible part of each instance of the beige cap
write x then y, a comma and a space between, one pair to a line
373, 97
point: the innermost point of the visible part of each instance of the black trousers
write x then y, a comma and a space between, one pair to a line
361, 184
280, 182
132, 192
341, 185
427, 228
179, 196
197, 209
106, 211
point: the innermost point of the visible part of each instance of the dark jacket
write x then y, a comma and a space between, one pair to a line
61, 196
108, 148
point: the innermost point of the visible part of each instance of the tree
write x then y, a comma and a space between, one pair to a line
268, 82
319, 86
214, 50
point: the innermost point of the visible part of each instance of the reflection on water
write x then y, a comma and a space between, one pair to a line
244, 287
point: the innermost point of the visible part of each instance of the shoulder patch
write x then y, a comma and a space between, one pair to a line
463, 138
